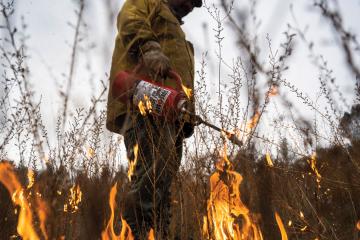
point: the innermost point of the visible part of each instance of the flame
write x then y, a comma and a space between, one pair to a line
244, 130
90, 152
148, 103
25, 226
303, 229
74, 199
109, 232
358, 225
31, 179
132, 163
42, 211
313, 167
302, 215
253, 121
142, 108
187, 91
145, 106
225, 207
151, 234
281, 227
268, 160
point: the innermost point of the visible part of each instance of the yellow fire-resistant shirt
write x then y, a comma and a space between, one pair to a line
138, 22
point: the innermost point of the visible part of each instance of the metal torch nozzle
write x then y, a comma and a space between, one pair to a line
197, 120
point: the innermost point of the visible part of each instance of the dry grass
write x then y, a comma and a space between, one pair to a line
316, 200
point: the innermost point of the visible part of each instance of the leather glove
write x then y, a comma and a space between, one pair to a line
156, 64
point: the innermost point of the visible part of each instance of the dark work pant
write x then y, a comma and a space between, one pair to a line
147, 204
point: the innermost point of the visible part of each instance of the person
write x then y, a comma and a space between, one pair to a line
150, 36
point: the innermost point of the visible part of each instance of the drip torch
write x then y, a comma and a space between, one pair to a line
166, 102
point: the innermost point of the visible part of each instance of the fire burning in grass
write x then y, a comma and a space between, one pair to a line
109, 232
281, 227
227, 217
253, 121
31, 180
74, 199
312, 162
269, 160
25, 227
125, 234
244, 130
133, 162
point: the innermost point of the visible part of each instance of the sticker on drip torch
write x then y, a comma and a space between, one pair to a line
156, 95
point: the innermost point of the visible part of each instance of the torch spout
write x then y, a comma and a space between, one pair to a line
197, 120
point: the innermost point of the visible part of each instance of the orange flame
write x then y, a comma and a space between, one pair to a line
151, 235
25, 226
281, 227
145, 106
244, 130
31, 179
187, 91
42, 211
74, 199
253, 121
90, 153
109, 232
142, 108
268, 160
132, 163
358, 225
312, 163
225, 207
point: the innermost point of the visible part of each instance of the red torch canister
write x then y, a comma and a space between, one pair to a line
165, 101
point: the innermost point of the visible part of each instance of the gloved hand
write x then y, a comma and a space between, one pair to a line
187, 120
156, 64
